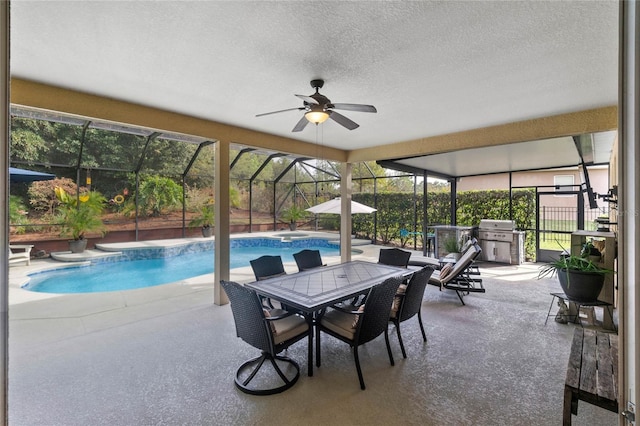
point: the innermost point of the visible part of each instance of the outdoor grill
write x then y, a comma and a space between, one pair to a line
500, 241
496, 230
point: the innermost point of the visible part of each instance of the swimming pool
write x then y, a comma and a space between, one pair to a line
150, 267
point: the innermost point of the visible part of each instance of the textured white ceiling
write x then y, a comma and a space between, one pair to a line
429, 67
522, 156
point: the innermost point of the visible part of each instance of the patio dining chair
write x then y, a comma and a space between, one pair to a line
267, 266
271, 331
408, 301
394, 257
308, 259
357, 327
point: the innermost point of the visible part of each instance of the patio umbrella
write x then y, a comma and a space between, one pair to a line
334, 207
23, 175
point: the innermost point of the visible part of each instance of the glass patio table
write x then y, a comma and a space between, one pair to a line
313, 290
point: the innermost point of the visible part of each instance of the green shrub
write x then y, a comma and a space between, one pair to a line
17, 214
42, 194
158, 195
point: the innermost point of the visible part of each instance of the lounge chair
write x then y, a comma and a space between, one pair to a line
438, 263
20, 253
461, 277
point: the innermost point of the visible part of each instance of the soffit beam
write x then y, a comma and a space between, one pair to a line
570, 124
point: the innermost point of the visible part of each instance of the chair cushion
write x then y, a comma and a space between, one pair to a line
356, 317
268, 313
402, 289
466, 245
286, 328
445, 271
395, 307
435, 279
340, 323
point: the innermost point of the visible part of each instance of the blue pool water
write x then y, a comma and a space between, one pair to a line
139, 273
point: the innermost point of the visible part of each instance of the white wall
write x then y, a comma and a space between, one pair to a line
598, 177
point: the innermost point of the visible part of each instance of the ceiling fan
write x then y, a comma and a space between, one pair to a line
318, 108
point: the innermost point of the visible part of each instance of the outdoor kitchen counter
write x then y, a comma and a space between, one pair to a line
501, 242
445, 232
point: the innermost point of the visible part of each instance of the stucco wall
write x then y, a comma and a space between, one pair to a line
598, 176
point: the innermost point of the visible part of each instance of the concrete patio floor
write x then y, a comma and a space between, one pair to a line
166, 355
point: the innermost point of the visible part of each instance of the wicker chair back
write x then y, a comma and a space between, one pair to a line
267, 266
308, 259
394, 257
375, 319
248, 315
412, 301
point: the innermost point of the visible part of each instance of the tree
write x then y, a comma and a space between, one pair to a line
28, 139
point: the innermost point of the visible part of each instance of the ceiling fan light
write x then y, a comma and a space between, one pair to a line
316, 117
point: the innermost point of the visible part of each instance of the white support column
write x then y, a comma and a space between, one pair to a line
4, 215
346, 189
222, 228
629, 206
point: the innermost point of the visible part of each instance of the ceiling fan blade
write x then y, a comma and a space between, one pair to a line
282, 110
308, 99
355, 107
342, 120
301, 124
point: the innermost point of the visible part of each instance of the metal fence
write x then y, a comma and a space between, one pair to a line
557, 224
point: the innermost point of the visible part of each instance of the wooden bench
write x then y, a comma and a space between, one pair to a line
592, 373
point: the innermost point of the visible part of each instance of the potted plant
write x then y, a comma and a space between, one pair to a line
590, 251
205, 219
79, 215
292, 215
453, 247
579, 277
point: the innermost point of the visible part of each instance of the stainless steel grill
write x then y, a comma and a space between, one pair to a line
501, 242
496, 230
